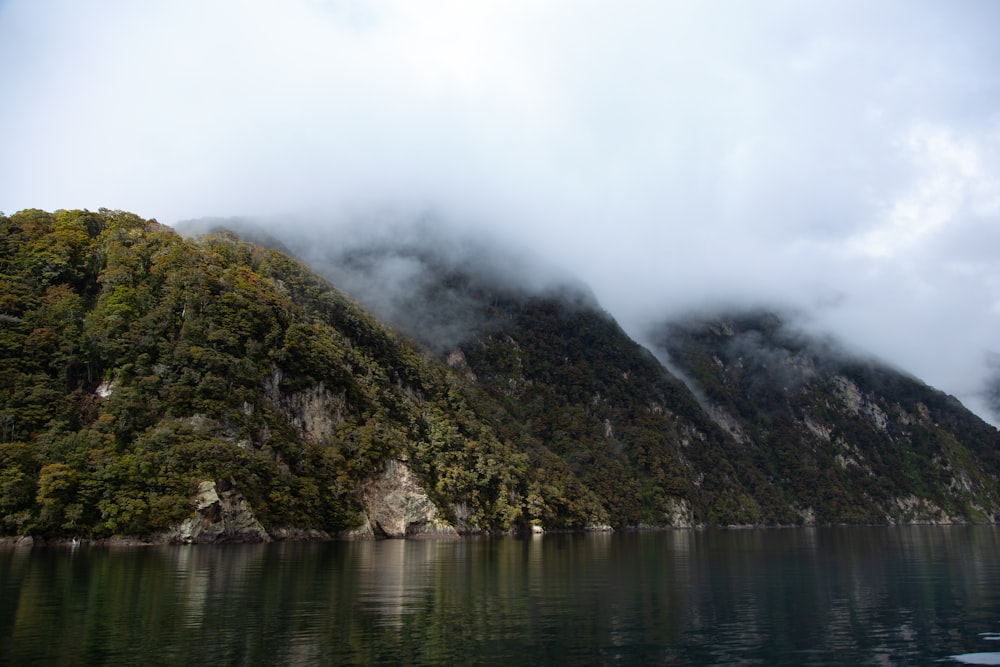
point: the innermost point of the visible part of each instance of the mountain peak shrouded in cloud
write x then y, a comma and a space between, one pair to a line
842, 158
427, 277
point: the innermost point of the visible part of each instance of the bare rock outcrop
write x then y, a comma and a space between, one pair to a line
396, 505
221, 515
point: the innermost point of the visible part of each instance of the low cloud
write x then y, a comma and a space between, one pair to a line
841, 158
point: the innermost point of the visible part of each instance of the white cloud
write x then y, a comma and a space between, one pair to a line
671, 153
956, 178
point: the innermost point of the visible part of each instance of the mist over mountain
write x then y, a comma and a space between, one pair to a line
831, 424
425, 276
212, 389
841, 159
393, 261
794, 400
992, 390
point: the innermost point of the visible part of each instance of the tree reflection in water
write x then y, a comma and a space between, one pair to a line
770, 596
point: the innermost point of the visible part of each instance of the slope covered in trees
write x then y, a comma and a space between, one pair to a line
781, 427
135, 365
574, 390
850, 438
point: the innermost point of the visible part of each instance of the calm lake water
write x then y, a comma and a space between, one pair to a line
807, 596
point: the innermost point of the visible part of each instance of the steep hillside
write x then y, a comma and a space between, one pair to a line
143, 377
576, 392
210, 388
847, 437
784, 428
633, 433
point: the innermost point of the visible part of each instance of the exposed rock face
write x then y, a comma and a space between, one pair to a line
221, 515
396, 505
23, 542
858, 403
677, 512
808, 516
315, 412
914, 509
464, 521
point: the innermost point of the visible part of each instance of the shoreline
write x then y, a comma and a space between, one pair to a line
8, 543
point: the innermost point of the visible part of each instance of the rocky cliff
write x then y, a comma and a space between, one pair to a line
396, 505
221, 514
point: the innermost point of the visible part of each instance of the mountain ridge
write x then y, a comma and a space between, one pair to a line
152, 382
773, 385
498, 307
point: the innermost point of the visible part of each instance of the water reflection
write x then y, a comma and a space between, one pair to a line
804, 596
397, 576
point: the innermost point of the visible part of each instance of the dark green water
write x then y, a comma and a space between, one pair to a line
844, 596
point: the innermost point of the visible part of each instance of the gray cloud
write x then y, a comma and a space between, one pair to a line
841, 157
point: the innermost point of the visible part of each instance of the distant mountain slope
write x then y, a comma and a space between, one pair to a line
785, 429
850, 438
575, 390
632, 432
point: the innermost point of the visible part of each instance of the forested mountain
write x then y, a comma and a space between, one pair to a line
780, 427
846, 436
576, 389
150, 382
135, 365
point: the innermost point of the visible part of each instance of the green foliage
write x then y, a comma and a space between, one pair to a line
632, 436
135, 364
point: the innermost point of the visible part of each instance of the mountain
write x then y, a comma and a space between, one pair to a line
572, 389
210, 388
207, 388
845, 436
769, 425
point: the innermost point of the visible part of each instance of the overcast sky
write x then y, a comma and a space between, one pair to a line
840, 157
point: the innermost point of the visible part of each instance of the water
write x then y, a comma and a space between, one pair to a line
823, 596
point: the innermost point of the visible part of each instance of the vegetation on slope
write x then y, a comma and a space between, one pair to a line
134, 363
784, 429
574, 391
628, 429
850, 438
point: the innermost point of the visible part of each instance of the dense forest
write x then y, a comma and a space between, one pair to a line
755, 422
136, 364
848, 436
